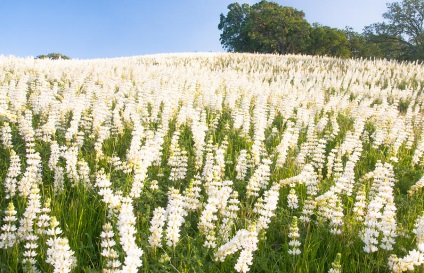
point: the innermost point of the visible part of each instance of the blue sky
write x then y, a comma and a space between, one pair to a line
117, 28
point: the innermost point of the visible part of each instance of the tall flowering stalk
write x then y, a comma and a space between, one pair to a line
294, 243
10, 182
260, 178
216, 205
244, 240
126, 228
108, 249
177, 160
8, 230
242, 165
6, 136
175, 211
336, 266
156, 227
267, 209
59, 254
381, 211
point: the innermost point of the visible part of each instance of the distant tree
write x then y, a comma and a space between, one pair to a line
402, 36
277, 29
328, 41
265, 27
53, 56
234, 36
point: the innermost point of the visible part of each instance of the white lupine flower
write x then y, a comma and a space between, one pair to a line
414, 258
259, 179
388, 226
154, 185
268, 207
338, 166
418, 153
308, 148
310, 178
33, 207
246, 115
242, 165
336, 220
73, 128
335, 266
31, 176
318, 158
10, 182
216, 204
44, 219
175, 212
336, 128
371, 233
308, 209
71, 157
294, 243
60, 255
126, 228
207, 173
177, 160
111, 199
108, 251
418, 185
330, 161
292, 200
344, 183
220, 158
118, 126
84, 173
232, 246
209, 216
54, 229
411, 136
288, 141
199, 128
360, 205
244, 240
244, 261
156, 227
30, 253
419, 230
59, 179
55, 154
230, 214
327, 203
135, 146
8, 230
140, 171
380, 218
6, 136
191, 197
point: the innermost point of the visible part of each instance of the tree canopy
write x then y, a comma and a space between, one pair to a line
402, 35
264, 27
267, 27
53, 56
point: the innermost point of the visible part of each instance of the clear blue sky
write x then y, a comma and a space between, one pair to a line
116, 28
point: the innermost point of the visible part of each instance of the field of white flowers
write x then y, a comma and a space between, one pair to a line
211, 163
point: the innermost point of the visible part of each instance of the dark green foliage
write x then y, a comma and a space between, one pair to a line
267, 27
328, 41
53, 56
402, 36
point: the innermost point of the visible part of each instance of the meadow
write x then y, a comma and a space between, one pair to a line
211, 163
